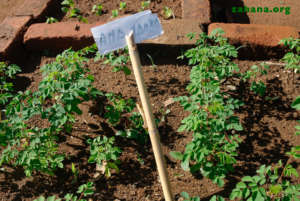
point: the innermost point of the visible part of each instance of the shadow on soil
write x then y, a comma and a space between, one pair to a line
262, 142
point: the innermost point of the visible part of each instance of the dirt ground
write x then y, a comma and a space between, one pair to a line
133, 6
268, 134
268, 128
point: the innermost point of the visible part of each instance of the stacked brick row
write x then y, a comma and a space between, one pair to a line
25, 30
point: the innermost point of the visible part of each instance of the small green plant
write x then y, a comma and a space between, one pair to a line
292, 58
140, 160
186, 197
75, 172
257, 87
6, 87
213, 148
168, 13
83, 191
65, 84
103, 152
135, 129
51, 20
98, 9
117, 107
268, 185
152, 61
68, 6
163, 113
123, 5
119, 61
296, 105
145, 5
120, 110
114, 13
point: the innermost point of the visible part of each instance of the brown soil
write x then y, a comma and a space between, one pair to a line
133, 6
8, 7
268, 127
268, 134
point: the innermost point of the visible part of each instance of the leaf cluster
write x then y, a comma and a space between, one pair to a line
118, 60
268, 185
68, 6
104, 153
83, 191
120, 111
213, 148
7, 72
292, 58
98, 9
65, 85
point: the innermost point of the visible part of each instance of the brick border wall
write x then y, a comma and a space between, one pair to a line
47, 36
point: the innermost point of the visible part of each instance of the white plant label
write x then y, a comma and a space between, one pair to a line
111, 36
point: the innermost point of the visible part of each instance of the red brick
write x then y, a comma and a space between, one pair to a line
35, 8
11, 33
254, 34
59, 36
196, 9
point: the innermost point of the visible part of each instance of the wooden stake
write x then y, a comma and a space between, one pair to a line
153, 132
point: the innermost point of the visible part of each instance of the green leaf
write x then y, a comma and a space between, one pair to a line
241, 185
246, 192
296, 103
65, 9
185, 195
247, 179
176, 155
276, 189
42, 198
185, 164
52, 198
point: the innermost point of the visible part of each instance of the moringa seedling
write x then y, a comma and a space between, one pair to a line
98, 9
168, 13
145, 4
114, 13
123, 5
51, 20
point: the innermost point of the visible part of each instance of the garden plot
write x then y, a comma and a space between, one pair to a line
82, 123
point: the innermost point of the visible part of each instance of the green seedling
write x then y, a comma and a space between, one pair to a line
168, 13
186, 197
75, 173
119, 61
98, 9
68, 6
115, 13
257, 87
105, 154
117, 107
51, 20
152, 61
292, 58
212, 150
65, 84
123, 5
83, 191
140, 160
145, 5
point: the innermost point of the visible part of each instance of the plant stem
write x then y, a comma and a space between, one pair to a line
282, 173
